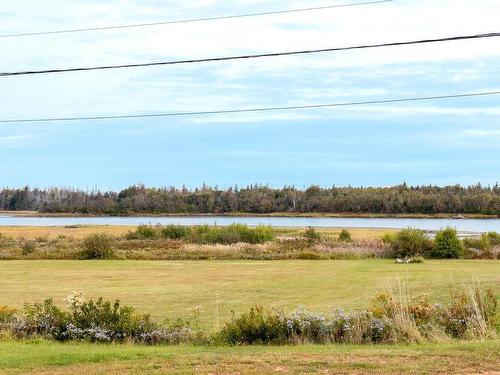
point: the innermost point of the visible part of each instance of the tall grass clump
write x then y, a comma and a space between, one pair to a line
345, 236
447, 245
312, 235
97, 246
493, 237
143, 232
408, 243
261, 325
483, 247
175, 232
231, 234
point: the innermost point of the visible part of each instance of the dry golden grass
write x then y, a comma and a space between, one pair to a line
78, 232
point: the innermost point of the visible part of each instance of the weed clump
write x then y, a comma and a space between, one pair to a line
345, 236
97, 246
143, 232
312, 235
408, 243
175, 232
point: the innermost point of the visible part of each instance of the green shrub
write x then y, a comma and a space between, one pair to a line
408, 243
493, 237
388, 238
447, 245
345, 236
259, 326
122, 321
478, 247
231, 234
482, 243
97, 246
43, 319
175, 232
96, 321
312, 235
143, 232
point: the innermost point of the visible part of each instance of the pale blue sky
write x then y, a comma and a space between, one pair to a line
439, 142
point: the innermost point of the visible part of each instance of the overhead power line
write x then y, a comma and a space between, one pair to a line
136, 25
261, 109
255, 56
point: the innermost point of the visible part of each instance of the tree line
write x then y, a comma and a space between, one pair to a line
258, 199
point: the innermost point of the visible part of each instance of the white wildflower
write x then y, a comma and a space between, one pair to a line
74, 300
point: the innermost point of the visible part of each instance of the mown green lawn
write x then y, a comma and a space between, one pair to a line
70, 358
172, 288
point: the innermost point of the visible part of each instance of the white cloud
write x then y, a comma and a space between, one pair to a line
13, 139
482, 133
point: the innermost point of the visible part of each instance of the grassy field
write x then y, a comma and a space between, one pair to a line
172, 288
55, 358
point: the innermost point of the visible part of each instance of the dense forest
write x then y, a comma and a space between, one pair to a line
259, 199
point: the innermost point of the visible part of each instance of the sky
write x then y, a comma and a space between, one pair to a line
436, 142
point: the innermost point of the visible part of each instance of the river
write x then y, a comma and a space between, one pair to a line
462, 225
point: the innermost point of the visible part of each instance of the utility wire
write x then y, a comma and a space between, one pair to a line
192, 20
261, 109
243, 57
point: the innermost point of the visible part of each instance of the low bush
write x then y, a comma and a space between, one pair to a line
408, 243
97, 246
345, 236
479, 248
493, 237
143, 232
482, 243
95, 321
231, 234
175, 232
312, 235
447, 245
260, 325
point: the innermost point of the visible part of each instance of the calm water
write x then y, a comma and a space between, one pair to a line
462, 225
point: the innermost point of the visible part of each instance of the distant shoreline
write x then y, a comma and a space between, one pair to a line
246, 214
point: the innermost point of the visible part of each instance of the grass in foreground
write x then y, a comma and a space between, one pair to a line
175, 287
54, 358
